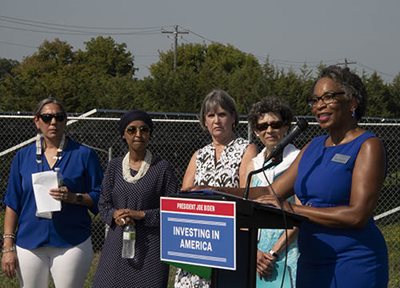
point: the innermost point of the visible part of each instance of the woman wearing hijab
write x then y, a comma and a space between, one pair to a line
130, 194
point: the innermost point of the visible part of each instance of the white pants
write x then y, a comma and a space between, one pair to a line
68, 266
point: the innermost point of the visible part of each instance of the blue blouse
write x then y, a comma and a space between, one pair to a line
82, 173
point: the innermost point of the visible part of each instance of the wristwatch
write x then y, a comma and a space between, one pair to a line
79, 198
273, 253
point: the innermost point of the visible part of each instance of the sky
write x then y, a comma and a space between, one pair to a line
288, 32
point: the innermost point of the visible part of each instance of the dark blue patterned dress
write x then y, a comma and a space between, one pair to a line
145, 269
333, 257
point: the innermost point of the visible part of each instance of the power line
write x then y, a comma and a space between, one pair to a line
202, 37
16, 44
79, 30
30, 22
53, 28
375, 70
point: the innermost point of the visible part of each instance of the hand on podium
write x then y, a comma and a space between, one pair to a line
197, 188
274, 201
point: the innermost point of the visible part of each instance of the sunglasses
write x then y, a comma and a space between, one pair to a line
273, 125
132, 130
46, 118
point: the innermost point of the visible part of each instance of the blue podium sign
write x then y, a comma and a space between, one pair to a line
199, 232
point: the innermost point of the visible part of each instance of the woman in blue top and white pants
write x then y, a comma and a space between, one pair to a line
35, 245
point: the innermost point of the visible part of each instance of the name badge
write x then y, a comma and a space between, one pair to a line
340, 158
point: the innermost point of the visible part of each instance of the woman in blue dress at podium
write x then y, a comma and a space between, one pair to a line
222, 163
270, 120
338, 178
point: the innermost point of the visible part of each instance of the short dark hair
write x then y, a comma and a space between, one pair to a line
351, 83
216, 98
270, 104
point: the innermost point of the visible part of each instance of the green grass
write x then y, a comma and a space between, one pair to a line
391, 233
392, 237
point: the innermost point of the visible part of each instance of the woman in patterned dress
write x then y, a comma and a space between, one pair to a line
270, 120
131, 192
222, 163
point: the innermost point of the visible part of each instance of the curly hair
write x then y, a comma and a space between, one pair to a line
351, 84
270, 104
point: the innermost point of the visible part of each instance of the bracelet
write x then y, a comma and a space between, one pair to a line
273, 253
11, 235
7, 250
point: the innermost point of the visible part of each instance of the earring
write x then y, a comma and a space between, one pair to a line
353, 113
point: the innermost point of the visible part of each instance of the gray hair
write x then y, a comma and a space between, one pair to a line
216, 98
49, 100
351, 83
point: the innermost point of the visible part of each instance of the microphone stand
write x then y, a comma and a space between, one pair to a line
251, 173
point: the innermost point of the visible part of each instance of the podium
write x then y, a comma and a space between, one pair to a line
250, 216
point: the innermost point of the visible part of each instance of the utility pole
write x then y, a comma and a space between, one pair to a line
346, 63
176, 33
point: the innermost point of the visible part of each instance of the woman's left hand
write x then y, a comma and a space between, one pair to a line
268, 199
274, 201
62, 194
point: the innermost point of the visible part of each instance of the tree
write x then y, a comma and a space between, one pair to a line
200, 69
6, 66
36, 76
394, 98
378, 96
108, 57
82, 80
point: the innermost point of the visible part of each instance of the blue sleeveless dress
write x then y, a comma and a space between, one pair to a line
333, 257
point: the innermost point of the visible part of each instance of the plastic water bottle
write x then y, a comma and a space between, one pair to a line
60, 179
128, 241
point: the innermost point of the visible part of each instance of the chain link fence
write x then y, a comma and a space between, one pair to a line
177, 136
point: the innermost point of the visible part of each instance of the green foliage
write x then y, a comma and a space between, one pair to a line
99, 77
378, 97
200, 69
6, 66
102, 76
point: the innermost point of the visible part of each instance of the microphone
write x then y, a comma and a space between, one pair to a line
300, 126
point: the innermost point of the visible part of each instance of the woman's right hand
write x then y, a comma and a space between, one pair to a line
265, 264
9, 264
120, 216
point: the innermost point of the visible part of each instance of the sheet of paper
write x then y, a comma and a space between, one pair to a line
42, 183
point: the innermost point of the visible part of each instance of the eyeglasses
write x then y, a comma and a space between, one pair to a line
327, 98
132, 130
265, 125
46, 118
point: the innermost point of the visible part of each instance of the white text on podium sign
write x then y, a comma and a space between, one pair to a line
199, 232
